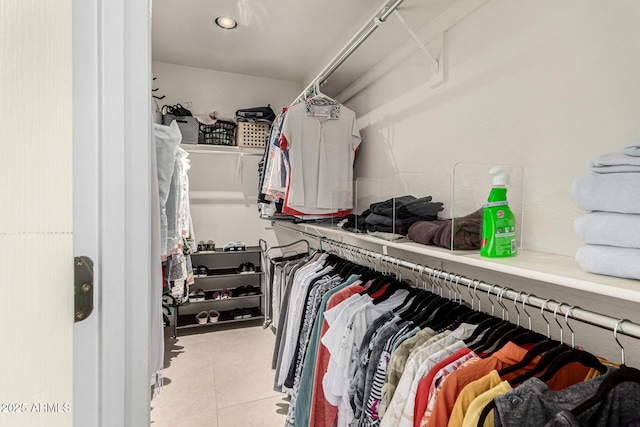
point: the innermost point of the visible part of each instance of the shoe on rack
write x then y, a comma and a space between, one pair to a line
213, 316
197, 295
246, 313
251, 290
202, 317
240, 246
229, 247
236, 314
246, 267
239, 292
201, 271
211, 246
202, 246
226, 294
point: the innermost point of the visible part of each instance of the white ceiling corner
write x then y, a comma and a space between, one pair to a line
282, 39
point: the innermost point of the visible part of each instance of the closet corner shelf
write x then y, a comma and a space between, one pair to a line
549, 268
222, 149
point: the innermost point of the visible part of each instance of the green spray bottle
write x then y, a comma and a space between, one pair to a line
498, 222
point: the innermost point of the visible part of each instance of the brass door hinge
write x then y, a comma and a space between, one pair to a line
83, 288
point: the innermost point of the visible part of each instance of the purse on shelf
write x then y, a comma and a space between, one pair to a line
175, 110
256, 114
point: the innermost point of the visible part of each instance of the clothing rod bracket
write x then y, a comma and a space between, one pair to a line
437, 75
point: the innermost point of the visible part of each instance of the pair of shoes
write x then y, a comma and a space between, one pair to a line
235, 246
223, 294
201, 271
240, 313
197, 296
205, 317
246, 267
204, 247
244, 291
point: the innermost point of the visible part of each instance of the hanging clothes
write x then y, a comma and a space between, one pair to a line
365, 351
172, 233
307, 168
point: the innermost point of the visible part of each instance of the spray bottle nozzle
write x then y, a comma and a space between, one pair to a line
501, 175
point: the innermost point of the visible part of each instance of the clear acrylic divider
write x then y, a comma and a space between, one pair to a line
416, 196
472, 184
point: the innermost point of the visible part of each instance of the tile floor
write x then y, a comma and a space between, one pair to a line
220, 377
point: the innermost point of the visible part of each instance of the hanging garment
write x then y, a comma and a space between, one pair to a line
167, 140
321, 138
306, 385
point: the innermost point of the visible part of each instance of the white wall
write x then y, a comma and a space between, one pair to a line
546, 85
216, 90
36, 225
223, 188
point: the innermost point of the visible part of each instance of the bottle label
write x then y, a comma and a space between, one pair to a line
494, 204
505, 236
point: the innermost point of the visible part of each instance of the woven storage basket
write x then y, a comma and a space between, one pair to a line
251, 134
219, 133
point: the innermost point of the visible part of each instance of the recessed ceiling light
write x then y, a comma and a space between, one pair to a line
226, 22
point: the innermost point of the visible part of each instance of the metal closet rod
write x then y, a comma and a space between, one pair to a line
622, 326
351, 46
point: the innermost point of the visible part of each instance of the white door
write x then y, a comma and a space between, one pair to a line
36, 223
74, 123
111, 116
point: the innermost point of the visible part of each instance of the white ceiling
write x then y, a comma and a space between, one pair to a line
282, 39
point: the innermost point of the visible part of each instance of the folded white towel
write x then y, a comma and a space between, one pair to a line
609, 192
632, 149
614, 163
610, 261
609, 228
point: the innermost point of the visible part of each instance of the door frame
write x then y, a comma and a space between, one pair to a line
112, 206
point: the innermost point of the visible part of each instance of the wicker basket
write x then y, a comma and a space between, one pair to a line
219, 133
252, 134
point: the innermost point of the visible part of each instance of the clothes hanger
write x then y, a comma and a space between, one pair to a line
530, 336
491, 339
319, 95
471, 317
393, 287
623, 374
457, 314
412, 295
435, 316
422, 310
378, 283
573, 355
548, 357
423, 307
487, 341
410, 305
519, 333
448, 317
484, 325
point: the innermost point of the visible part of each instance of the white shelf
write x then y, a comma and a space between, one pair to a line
555, 269
222, 149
